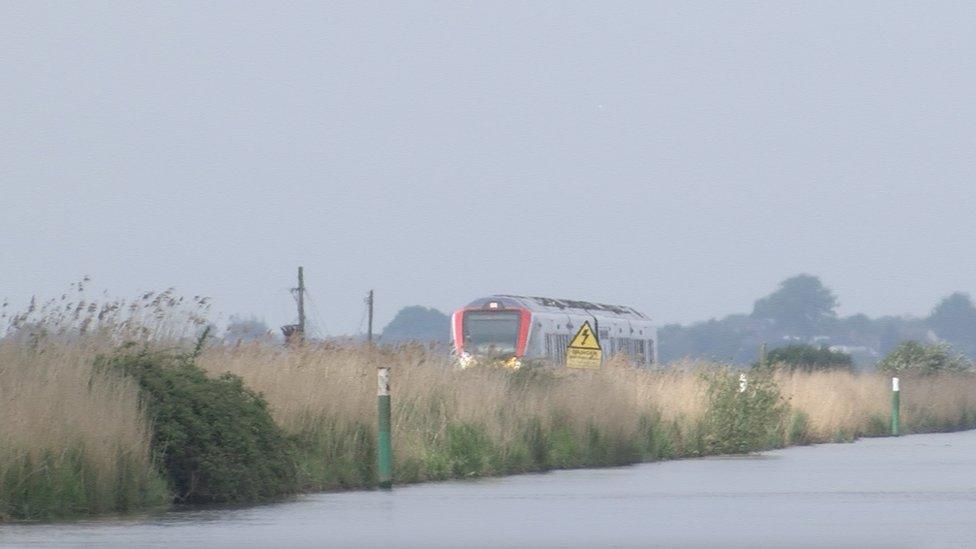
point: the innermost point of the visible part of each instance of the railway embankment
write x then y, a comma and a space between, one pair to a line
93, 426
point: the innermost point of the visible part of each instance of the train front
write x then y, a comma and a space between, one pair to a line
492, 330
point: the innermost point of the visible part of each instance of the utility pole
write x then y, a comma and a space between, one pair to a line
301, 303
296, 332
369, 325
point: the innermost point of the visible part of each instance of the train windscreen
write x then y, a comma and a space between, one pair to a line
491, 334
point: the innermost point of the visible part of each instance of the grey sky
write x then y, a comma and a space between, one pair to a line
682, 158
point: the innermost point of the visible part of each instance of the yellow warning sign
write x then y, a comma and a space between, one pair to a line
584, 349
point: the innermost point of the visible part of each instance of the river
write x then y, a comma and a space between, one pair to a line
913, 491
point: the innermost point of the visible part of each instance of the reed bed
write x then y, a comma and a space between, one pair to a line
306, 384
483, 421
72, 440
449, 423
76, 438
841, 405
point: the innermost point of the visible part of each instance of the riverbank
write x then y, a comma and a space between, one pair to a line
80, 440
913, 491
486, 422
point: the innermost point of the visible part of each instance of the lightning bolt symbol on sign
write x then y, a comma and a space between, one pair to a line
584, 349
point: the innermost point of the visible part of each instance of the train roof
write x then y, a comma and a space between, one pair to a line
552, 305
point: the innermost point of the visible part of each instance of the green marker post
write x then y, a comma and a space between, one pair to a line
384, 445
895, 407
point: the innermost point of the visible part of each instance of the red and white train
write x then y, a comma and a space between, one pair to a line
517, 328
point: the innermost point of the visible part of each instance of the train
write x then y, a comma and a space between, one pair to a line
517, 329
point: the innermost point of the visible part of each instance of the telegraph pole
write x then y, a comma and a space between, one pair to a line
301, 303
369, 325
296, 332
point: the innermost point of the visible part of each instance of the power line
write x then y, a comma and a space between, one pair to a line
362, 320
320, 327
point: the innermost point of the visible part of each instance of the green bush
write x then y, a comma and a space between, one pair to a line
914, 358
809, 358
742, 421
214, 437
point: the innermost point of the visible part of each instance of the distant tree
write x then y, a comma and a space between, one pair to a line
855, 324
954, 319
246, 329
674, 343
417, 323
801, 306
808, 357
725, 340
913, 357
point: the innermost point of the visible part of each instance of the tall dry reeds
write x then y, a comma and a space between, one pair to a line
448, 422
840, 405
305, 384
72, 440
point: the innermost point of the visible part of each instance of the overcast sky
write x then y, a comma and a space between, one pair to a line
681, 158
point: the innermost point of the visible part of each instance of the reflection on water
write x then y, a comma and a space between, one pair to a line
917, 491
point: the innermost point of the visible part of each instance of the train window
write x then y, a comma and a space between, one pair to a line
556, 348
491, 333
634, 349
